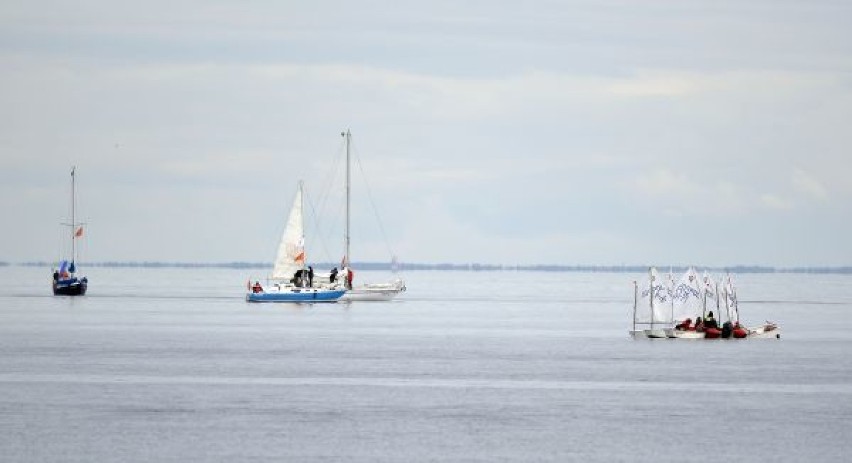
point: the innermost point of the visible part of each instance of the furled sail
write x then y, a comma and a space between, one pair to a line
291, 250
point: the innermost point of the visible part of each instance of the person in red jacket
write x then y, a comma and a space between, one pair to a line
350, 275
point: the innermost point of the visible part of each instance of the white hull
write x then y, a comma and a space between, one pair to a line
375, 292
758, 333
768, 331
685, 334
656, 333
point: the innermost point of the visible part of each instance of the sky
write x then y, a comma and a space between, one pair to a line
609, 132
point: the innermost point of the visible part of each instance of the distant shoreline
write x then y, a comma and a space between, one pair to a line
843, 270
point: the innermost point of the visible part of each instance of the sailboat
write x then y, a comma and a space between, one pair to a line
65, 279
656, 297
290, 280
369, 291
768, 330
689, 299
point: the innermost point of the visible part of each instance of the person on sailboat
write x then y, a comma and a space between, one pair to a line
310, 277
727, 329
710, 322
350, 275
297, 279
257, 288
684, 325
699, 324
55, 275
332, 277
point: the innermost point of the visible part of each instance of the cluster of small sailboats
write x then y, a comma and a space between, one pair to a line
663, 309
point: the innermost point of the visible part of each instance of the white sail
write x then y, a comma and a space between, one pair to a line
655, 300
291, 250
728, 302
687, 296
709, 290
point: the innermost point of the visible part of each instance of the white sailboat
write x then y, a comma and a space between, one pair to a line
689, 299
657, 299
289, 281
367, 291
768, 330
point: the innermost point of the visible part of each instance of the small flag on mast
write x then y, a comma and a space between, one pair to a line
79, 232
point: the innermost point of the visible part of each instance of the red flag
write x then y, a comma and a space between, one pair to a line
78, 233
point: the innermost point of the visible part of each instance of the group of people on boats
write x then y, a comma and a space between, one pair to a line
710, 327
304, 278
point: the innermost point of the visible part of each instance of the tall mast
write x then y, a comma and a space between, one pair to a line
348, 136
302, 210
651, 293
635, 301
73, 218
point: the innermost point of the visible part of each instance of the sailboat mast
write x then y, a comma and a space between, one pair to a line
348, 136
301, 209
651, 293
635, 301
73, 217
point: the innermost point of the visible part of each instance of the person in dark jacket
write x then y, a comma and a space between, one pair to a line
727, 329
332, 277
710, 322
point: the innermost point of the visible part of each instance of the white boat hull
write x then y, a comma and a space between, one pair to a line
375, 292
685, 334
656, 333
767, 331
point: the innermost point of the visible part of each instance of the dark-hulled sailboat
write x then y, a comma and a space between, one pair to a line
66, 282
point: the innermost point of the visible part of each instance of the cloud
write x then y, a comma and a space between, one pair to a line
775, 202
808, 185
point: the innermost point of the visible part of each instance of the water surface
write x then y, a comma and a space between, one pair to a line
173, 365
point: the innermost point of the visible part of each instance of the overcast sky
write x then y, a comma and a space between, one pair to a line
560, 132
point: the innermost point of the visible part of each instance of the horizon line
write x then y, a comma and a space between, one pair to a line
621, 268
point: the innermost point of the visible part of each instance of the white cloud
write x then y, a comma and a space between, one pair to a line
775, 202
556, 124
808, 185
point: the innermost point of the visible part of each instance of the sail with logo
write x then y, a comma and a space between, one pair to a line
652, 306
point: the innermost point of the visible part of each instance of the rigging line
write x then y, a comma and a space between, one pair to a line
332, 225
329, 181
316, 225
325, 215
372, 203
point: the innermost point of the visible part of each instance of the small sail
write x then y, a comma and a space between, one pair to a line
660, 306
729, 303
291, 250
688, 296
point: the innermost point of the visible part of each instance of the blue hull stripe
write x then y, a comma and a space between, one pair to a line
304, 296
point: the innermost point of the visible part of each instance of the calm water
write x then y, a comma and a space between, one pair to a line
173, 365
